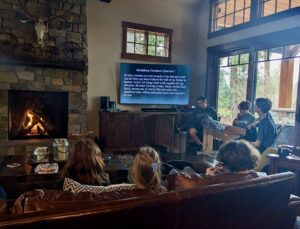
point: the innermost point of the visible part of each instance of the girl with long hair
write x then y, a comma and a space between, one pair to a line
146, 170
85, 164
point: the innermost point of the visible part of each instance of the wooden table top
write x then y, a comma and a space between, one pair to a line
26, 169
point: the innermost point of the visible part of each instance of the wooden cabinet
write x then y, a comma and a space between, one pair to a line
126, 131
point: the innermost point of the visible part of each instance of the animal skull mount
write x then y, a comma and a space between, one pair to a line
41, 25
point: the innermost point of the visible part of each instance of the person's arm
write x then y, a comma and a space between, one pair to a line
259, 138
214, 114
257, 143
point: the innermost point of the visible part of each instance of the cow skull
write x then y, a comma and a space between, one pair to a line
41, 25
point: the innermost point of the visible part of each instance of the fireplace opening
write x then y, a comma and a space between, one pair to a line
37, 114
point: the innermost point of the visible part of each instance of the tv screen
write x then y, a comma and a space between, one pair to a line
155, 84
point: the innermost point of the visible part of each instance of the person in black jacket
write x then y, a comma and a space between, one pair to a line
202, 111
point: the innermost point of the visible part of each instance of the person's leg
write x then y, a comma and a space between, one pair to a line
193, 133
264, 160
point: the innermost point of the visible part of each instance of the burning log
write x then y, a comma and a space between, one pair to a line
34, 124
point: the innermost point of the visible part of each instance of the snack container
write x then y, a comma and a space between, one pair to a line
41, 154
60, 149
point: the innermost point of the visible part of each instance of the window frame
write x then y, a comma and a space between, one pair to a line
256, 18
252, 45
148, 29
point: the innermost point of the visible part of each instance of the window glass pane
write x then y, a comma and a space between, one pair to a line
230, 6
229, 20
282, 5
233, 60
220, 10
151, 50
130, 48
223, 61
268, 78
160, 51
152, 39
220, 23
247, 3
140, 38
295, 3
140, 49
269, 7
291, 51
262, 55
247, 15
232, 90
239, 5
130, 36
269, 75
239, 17
244, 58
276, 53
160, 40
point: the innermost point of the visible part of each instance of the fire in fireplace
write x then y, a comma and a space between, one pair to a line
37, 114
33, 124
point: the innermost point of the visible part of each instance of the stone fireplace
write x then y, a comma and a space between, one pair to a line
58, 67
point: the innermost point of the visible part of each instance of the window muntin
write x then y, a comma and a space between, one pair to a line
229, 13
233, 76
146, 42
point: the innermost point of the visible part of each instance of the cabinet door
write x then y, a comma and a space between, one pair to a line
115, 129
164, 130
142, 129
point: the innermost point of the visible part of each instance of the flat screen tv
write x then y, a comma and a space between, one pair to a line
154, 84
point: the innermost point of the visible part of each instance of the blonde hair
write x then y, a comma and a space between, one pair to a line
85, 164
146, 169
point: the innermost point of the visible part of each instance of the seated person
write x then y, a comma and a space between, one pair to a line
85, 164
146, 170
244, 118
266, 133
236, 157
202, 111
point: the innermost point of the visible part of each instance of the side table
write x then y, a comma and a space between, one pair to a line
289, 163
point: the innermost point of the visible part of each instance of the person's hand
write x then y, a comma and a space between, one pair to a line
215, 170
211, 171
237, 122
249, 127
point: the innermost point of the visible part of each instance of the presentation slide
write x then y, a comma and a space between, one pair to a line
155, 84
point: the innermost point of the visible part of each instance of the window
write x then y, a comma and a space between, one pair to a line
226, 14
233, 76
145, 42
229, 13
277, 79
276, 6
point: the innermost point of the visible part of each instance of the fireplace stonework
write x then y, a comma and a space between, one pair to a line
50, 74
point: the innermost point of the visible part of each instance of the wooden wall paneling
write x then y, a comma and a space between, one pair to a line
164, 130
117, 129
142, 129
